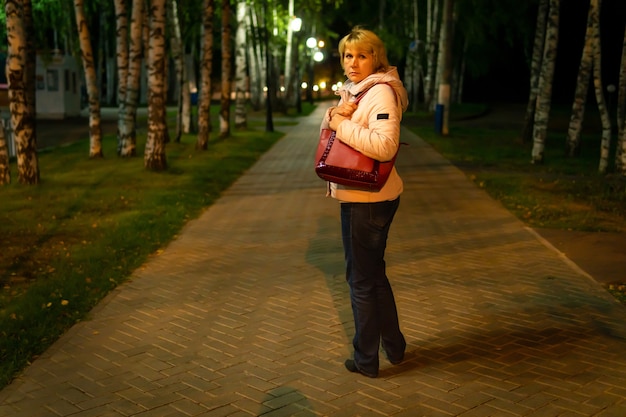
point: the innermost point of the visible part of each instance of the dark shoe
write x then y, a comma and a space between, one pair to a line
393, 361
351, 366
396, 361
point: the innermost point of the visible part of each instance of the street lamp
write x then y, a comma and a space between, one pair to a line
296, 24
316, 56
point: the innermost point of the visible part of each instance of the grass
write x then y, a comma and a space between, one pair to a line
70, 240
562, 193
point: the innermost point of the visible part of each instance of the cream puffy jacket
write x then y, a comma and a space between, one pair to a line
373, 129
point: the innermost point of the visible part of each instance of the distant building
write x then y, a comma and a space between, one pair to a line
58, 86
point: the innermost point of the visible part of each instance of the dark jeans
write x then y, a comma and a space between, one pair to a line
364, 228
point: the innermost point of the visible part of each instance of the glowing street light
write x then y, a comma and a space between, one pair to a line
317, 55
296, 24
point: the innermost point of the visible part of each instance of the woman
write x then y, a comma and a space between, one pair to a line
372, 127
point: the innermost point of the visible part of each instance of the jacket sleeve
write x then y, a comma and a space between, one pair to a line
374, 128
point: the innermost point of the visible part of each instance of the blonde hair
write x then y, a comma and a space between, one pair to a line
368, 41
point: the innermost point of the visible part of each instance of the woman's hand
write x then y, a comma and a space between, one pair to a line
345, 110
340, 113
334, 122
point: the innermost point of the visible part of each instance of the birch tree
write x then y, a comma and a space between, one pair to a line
544, 91
620, 155
289, 55
91, 81
255, 59
432, 40
5, 169
31, 63
127, 145
183, 117
605, 143
535, 69
154, 157
206, 64
241, 66
121, 47
22, 115
582, 83
226, 70
270, 92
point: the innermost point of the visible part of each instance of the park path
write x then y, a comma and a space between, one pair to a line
247, 312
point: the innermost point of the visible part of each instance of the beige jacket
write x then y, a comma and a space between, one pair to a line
374, 130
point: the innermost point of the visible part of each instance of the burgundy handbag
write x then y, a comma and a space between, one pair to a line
339, 163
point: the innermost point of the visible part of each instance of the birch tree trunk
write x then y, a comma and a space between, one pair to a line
204, 96
620, 155
22, 118
226, 71
121, 47
127, 146
605, 143
31, 64
5, 168
582, 84
544, 92
186, 118
441, 51
145, 42
432, 41
183, 117
621, 89
255, 61
154, 157
289, 67
241, 119
535, 69
93, 94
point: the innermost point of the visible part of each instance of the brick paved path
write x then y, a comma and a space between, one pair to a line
247, 313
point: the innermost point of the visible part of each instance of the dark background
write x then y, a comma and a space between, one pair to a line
509, 75
504, 68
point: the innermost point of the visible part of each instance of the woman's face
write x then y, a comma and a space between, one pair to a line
357, 64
